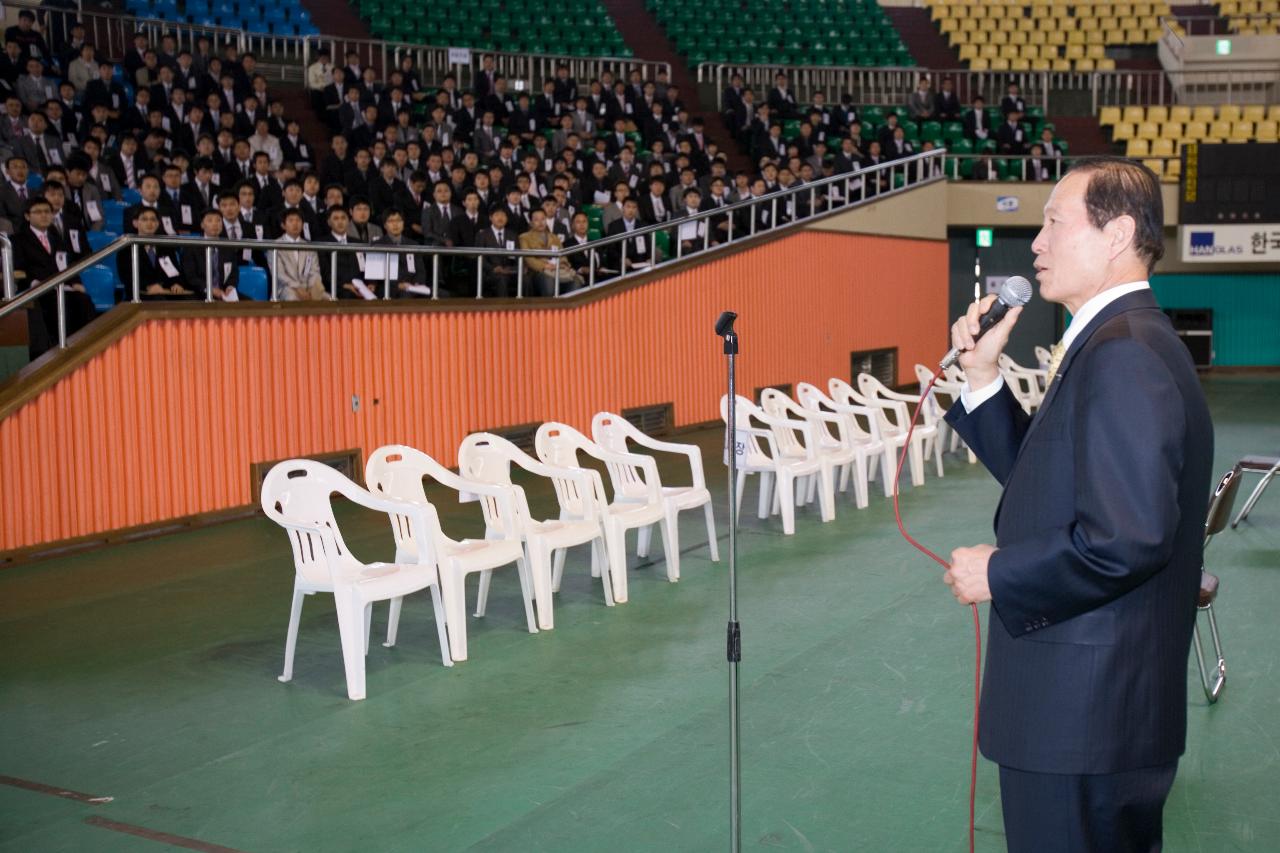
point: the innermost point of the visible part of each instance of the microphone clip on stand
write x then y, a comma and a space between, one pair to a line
724, 328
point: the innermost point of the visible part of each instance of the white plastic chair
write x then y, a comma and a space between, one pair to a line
559, 444
831, 452
487, 458
296, 495
868, 448
778, 472
951, 388
1027, 385
612, 433
893, 430
397, 471
1043, 356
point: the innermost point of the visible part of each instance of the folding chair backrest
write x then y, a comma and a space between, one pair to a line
296, 495
1224, 497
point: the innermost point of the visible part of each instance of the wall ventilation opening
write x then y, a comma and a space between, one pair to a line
521, 435
656, 420
785, 388
345, 462
880, 363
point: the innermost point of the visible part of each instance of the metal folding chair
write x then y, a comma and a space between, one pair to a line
1267, 466
1224, 497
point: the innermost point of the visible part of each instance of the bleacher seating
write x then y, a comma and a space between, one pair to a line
253, 16
1251, 17
1155, 133
809, 32
1045, 35
520, 26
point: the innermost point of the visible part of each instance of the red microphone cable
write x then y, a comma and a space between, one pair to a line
977, 622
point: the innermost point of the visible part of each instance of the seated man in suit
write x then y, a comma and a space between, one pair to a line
1011, 138
40, 254
298, 270
159, 272
548, 274
348, 267
499, 271
581, 262
437, 215
406, 274
634, 253
207, 258
977, 127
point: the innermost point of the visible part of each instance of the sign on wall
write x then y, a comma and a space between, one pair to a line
1231, 243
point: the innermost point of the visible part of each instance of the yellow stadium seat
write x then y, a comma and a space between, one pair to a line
1000, 63
968, 52
1075, 51
1220, 129
1087, 24
989, 51
1253, 112
981, 63
1134, 115
1122, 131
1267, 131
1075, 37
1137, 148
1020, 64
1096, 51
1083, 64
1026, 25
1273, 112
1195, 130
1060, 65
1242, 130
1180, 114
1158, 114
999, 39
1148, 130
1123, 10
1041, 65
1162, 148
1172, 169
1109, 25
1135, 36
1202, 113
1108, 116
1096, 37
1038, 38
1171, 130
1019, 40
1058, 37
1229, 112
1107, 64
950, 25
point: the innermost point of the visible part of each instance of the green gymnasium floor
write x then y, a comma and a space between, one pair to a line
146, 673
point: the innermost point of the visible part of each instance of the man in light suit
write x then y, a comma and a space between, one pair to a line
1094, 578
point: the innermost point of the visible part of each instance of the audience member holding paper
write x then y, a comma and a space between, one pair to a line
222, 265
159, 273
499, 271
634, 250
407, 274
692, 232
349, 267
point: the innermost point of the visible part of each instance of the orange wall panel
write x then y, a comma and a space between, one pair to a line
167, 421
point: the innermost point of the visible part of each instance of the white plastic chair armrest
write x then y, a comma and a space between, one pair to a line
647, 465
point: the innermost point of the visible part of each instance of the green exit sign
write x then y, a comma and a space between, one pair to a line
1224, 47
984, 238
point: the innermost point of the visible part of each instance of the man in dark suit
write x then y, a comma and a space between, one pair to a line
437, 215
1094, 579
499, 271
977, 127
159, 269
1011, 138
222, 264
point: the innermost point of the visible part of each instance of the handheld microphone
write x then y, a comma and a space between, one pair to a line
1015, 291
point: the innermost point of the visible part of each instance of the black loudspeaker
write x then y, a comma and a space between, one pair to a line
1195, 327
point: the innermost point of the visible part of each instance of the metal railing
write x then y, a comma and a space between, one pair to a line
1243, 83
877, 85
287, 56
823, 196
1055, 167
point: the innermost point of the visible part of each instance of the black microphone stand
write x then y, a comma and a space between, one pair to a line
724, 328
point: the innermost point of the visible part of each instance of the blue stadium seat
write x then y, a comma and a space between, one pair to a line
100, 282
34, 181
307, 28
99, 240
131, 196
113, 215
253, 281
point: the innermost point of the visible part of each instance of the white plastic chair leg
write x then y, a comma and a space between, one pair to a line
438, 607
453, 594
291, 639
526, 593
482, 596
558, 571
916, 456
937, 456
712, 542
600, 568
540, 569
787, 501
393, 621
671, 543
844, 477
616, 545
368, 625
643, 538
826, 493
766, 494
889, 467
351, 631
860, 484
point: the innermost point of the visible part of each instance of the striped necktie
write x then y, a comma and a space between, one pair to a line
1055, 359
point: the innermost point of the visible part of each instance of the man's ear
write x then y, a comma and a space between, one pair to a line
1119, 232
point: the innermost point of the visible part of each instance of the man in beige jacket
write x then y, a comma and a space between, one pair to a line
297, 271
543, 270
